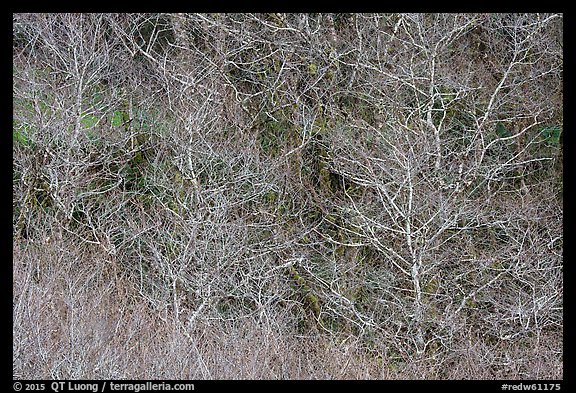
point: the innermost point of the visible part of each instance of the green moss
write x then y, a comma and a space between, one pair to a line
272, 136
21, 134
431, 286
471, 303
497, 264
551, 135
118, 118
41, 194
311, 299
312, 69
271, 197
313, 303
324, 176
88, 121
331, 218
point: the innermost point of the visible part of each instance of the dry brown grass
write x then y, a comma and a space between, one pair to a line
73, 319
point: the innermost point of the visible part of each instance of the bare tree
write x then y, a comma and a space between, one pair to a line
387, 186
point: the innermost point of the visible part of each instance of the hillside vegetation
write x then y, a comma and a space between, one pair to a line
287, 196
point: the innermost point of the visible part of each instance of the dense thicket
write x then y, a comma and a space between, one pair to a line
287, 196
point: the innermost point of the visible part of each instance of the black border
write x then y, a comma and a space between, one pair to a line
395, 385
